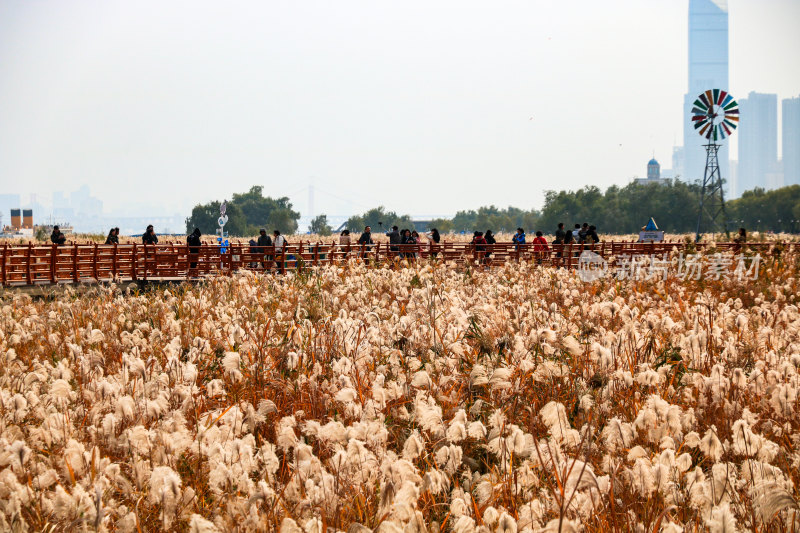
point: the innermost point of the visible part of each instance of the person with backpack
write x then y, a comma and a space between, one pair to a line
591, 235
479, 246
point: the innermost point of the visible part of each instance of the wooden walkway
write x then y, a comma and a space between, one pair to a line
29, 265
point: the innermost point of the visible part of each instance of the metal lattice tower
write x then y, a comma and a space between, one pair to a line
711, 215
715, 114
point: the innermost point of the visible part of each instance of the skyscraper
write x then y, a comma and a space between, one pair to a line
790, 115
758, 141
708, 69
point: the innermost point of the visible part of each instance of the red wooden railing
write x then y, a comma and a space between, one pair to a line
45, 264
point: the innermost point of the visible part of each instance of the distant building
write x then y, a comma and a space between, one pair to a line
733, 181
708, 69
758, 142
790, 116
678, 161
7, 203
653, 174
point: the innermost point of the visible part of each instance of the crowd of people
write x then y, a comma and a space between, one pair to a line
582, 234
399, 242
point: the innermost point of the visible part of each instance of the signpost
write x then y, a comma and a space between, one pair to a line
222, 239
651, 233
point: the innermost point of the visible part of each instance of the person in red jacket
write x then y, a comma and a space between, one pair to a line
479, 244
540, 247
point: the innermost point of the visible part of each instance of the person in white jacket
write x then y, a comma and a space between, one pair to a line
278, 241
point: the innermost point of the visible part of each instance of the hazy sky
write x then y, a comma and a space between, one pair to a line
424, 107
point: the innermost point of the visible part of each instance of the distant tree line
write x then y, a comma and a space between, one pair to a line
618, 210
247, 213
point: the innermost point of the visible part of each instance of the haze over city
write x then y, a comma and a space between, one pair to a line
423, 108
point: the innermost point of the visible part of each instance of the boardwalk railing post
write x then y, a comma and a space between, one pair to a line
75, 275
114, 263
133, 263
29, 261
53, 263
3, 266
96, 276
144, 260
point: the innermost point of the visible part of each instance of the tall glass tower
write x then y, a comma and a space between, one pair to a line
758, 141
708, 69
791, 140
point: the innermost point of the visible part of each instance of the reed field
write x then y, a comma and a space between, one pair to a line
406, 398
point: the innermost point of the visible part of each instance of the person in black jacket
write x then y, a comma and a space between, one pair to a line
112, 236
561, 236
150, 236
434, 237
264, 242
394, 239
489, 236
366, 240
57, 237
193, 241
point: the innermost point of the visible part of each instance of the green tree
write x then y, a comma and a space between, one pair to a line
204, 216
320, 226
247, 213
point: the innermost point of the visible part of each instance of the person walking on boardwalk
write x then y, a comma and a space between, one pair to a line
479, 245
57, 237
560, 234
366, 241
518, 238
413, 238
193, 242
278, 242
591, 236
490, 240
540, 247
344, 243
394, 240
150, 236
582, 232
740, 240
112, 238
560, 237
569, 237
264, 241
434, 239
576, 234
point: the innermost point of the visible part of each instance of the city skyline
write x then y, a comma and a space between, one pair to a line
168, 108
